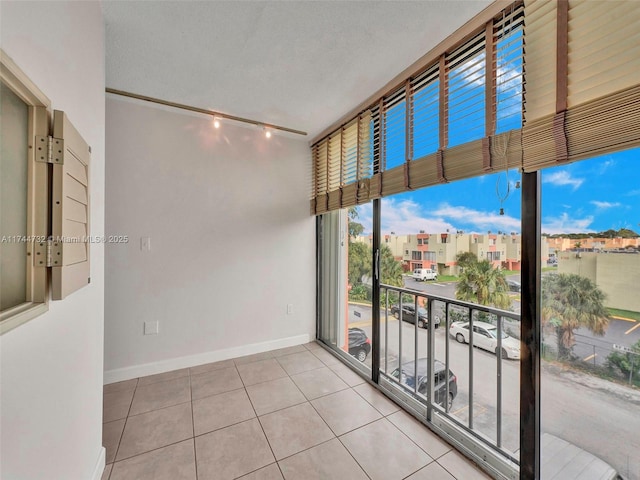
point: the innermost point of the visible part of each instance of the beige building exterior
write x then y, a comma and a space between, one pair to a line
561, 244
439, 250
394, 242
617, 274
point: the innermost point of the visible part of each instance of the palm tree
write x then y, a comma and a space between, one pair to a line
483, 284
570, 301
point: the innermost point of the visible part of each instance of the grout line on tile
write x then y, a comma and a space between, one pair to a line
280, 409
158, 409
193, 428
338, 438
152, 450
195, 455
126, 419
215, 394
349, 452
424, 466
263, 432
412, 441
305, 450
253, 471
445, 469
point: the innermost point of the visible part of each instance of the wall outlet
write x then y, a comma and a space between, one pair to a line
151, 328
290, 309
145, 244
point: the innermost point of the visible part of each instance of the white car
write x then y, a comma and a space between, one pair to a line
561, 459
485, 336
425, 274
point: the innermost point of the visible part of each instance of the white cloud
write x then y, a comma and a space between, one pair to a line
483, 221
408, 217
562, 178
604, 205
566, 224
606, 165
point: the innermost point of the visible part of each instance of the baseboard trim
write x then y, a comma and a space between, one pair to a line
142, 370
100, 464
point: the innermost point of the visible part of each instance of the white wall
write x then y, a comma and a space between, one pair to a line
232, 241
51, 367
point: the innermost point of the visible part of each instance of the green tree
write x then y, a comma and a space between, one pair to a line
483, 284
570, 301
355, 228
359, 262
466, 259
624, 361
390, 268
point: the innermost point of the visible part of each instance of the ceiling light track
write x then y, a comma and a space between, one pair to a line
217, 115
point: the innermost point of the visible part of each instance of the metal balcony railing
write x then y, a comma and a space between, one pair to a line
414, 352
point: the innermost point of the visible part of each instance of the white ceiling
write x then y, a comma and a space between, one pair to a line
299, 64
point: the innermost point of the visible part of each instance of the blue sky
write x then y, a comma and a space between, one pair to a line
588, 196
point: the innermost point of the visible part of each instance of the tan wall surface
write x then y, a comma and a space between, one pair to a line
617, 274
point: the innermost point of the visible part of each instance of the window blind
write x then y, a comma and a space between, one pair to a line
439, 125
343, 164
586, 100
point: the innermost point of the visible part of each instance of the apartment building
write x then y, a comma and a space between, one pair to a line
562, 244
439, 251
396, 243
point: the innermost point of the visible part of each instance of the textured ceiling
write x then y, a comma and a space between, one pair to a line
300, 64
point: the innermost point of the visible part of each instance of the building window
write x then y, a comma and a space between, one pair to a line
415, 255
493, 256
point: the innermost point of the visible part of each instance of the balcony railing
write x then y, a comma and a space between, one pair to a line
405, 351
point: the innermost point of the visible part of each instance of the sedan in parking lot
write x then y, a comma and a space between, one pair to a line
409, 315
514, 286
408, 374
359, 344
485, 336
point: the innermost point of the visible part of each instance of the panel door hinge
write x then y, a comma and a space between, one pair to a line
48, 253
49, 150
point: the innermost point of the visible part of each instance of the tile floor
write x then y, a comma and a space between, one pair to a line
293, 413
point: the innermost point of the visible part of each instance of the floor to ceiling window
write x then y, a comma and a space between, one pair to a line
590, 311
346, 283
460, 261
498, 295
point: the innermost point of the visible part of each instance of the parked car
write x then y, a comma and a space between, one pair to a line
514, 286
359, 344
485, 336
561, 459
407, 377
425, 274
409, 315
